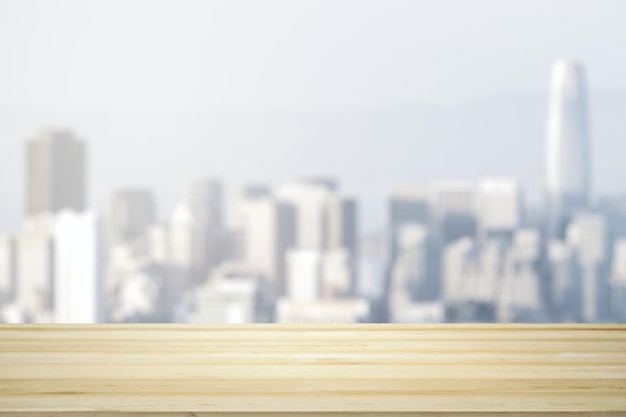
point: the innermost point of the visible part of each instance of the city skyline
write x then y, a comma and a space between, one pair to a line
491, 115
454, 250
403, 81
312, 162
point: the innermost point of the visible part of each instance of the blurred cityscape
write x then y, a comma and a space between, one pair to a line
454, 251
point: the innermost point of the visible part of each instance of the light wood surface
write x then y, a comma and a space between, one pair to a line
371, 370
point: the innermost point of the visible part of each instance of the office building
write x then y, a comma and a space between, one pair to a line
242, 196
76, 268
55, 173
342, 239
565, 280
131, 213
618, 282
416, 270
454, 210
304, 275
568, 147
269, 230
8, 268
310, 200
205, 200
587, 235
499, 207
36, 268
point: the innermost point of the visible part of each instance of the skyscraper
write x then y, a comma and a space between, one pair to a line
406, 206
454, 209
310, 199
55, 173
205, 200
131, 213
587, 235
269, 233
567, 163
500, 207
76, 259
416, 267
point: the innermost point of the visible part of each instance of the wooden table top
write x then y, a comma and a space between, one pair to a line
185, 370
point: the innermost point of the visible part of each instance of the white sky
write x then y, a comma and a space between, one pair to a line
175, 56
106, 68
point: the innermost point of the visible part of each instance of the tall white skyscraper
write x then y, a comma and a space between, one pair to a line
567, 162
76, 268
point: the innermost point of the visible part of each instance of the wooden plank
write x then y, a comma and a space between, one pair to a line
364, 370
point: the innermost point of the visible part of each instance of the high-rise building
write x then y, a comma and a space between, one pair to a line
337, 273
471, 272
310, 200
76, 264
35, 268
341, 224
325, 222
304, 275
565, 280
567, 162
416, 268
239, 205
205, 201
500, 207
405, 206
519, 297
131, 213
342, 237
454, 209
269, 231
55, 173
234, 242
188, 246
408, 206
8, 268
587, 234
618, 281
159, 244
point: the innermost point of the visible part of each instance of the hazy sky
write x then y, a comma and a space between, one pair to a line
146, 84
172, 56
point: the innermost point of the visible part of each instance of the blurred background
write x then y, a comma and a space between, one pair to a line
312, 161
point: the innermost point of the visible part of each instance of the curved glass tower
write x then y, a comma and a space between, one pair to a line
567, 165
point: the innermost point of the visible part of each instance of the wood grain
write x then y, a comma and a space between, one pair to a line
366, 370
